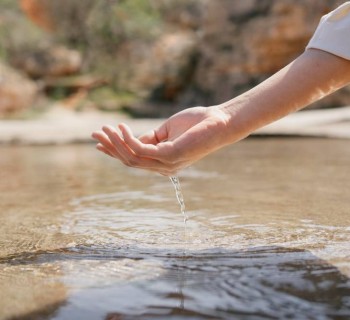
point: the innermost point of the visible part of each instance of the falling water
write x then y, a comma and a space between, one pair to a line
176, 183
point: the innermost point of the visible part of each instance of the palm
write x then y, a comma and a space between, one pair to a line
181, 122
189, 135
184, 138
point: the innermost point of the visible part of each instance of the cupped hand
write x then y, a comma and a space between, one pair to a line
181, 140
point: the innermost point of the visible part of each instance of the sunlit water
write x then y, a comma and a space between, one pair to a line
268, 235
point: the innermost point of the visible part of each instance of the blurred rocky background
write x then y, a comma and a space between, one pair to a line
150, 58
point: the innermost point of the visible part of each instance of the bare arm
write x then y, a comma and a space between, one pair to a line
195, 132
307, 79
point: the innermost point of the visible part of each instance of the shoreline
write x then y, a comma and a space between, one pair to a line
63, 126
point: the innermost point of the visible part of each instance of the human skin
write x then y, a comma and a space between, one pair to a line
195, 132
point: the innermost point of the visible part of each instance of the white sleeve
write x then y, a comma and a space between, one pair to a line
333, 32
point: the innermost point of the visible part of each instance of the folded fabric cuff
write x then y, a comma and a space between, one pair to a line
333, 32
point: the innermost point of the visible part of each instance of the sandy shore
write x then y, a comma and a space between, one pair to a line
60, 126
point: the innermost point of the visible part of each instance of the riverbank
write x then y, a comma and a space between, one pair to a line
63, 126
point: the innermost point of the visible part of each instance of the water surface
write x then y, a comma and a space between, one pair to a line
268, 235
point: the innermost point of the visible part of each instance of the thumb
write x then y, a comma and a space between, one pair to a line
155, 136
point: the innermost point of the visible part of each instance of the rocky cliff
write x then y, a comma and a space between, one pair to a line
173, 54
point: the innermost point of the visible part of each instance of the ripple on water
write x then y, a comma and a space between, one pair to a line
128, 251
116, 218
282, 282
217, 282
121, 255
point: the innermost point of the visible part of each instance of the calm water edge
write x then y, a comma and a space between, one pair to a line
268, 234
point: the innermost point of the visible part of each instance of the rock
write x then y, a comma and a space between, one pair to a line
17, 92
242, 45
49, 62
205, 52
38, 13
58, 16
163, 71
229, 47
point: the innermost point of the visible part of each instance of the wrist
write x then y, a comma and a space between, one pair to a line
238, 125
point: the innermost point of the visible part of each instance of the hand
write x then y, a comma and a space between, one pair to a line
193, 133
181, 140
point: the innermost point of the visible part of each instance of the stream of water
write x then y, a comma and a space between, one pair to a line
179, 196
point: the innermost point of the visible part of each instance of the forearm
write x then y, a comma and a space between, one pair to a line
195, 132
310, 77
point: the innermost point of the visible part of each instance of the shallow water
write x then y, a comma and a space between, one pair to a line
268, 235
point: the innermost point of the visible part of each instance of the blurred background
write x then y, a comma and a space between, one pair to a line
147, 58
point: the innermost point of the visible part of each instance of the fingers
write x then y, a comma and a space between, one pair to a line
101, 148
105, 144
126, 155
155, 136
134, 153
136, 145
149, 138
141, 149
112, 144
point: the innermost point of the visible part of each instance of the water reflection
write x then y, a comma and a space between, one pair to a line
143, 283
